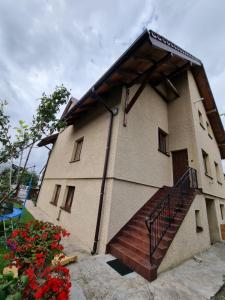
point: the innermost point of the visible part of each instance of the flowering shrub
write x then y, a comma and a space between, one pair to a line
33, 246
34, 242
47, 283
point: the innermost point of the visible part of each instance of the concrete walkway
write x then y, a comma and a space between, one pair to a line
93, 279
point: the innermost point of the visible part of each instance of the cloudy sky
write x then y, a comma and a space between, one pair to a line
44, 43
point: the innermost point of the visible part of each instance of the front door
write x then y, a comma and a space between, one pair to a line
180, 164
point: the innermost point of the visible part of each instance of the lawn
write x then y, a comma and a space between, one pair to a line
220, 295
26, 217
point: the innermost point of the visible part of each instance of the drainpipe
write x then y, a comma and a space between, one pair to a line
112, 112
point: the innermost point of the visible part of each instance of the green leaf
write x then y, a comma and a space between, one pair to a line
9, 276
24, 280
2, 295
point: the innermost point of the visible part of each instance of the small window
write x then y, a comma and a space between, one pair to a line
222, 211
69, 198
201, 119
56, 193
205, 157
162, 141
198, 221
217, 172
209, 130
77, 149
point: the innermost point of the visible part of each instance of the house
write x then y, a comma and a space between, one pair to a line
137, 172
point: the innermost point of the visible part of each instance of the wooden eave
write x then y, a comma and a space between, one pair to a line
48, 140
141, 57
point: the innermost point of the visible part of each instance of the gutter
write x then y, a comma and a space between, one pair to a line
113, 112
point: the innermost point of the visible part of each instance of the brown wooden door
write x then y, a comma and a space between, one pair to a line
180, 164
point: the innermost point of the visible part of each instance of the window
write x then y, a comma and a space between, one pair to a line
206, 163
209, 130
56, 193
69, 198
222, 211
217, 172
198, 221
162, 141
77, 149
201, 119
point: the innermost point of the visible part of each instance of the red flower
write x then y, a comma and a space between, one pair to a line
62, 296
23, 234
15, 233
32, 247
57, 236
39, 255
65, 233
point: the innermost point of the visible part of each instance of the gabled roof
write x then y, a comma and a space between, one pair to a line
152, 52
72, 102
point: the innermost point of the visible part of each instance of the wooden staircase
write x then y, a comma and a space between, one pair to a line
133, 244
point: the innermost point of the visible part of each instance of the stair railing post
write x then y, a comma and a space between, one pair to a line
169, 209
150, 242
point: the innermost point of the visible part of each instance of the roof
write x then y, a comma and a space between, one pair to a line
48, 140
147, 50
72, 102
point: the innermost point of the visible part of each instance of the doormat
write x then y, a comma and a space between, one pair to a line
118, 266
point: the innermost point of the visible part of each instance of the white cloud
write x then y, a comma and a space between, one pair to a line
46, 43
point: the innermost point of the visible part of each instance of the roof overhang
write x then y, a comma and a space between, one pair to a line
48, 140
148, 50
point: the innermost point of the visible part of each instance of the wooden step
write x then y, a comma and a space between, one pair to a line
136, 237
132, 244
141, 231
134, 261
129, 244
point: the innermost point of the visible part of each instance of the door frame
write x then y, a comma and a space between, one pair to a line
178, 150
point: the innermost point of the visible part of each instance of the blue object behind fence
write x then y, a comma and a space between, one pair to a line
17, 212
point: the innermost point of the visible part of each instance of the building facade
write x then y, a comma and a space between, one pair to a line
126, 139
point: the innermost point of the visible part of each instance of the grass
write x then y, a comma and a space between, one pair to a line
26, 217
220, 295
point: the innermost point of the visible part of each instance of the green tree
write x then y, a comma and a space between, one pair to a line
44, 123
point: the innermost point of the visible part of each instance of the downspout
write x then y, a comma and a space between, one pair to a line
112, 112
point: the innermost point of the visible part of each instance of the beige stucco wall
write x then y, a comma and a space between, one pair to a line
217, 221
185, 129
204, 142
187, 241
94, 128
127, 198
82, 218
181, 127
137, 155
140, 169
136, 167
85, 175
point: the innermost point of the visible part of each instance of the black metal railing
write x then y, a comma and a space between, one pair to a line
163, 215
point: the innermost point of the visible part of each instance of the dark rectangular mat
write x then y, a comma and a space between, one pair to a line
118, 266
